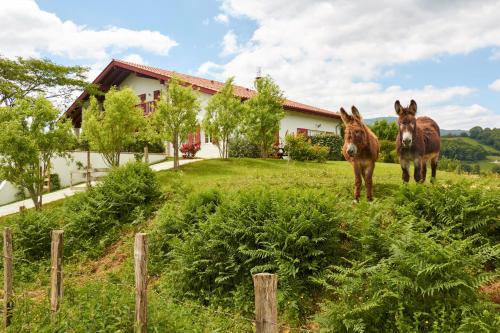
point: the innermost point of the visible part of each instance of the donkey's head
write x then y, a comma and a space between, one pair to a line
355, 136
407, 122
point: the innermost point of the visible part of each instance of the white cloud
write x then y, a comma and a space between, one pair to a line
210, 68
26, 30
221, 18
495, 85
495, 55
135, 58
229, 44
332, 53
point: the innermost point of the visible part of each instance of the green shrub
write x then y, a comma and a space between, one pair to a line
458, 208
292, 233
334, 142
93, 218
450, 165
32, 233
299, 148
388, 152
171, 222
55, 182
425, 285
423, 271
495, 169
240, 146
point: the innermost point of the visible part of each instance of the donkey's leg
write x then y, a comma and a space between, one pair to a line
434, 165
357, 180
424, 170
368, 174
417, 163
405, 167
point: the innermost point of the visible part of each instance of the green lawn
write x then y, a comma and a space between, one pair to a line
238, 173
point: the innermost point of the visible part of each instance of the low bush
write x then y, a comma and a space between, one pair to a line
388, 152
240, 146
292, 233
55, 182
496, 169
300, 148
93, 219
333, 142
424, 285
451, 165
190, 149
422, 272
461, 210
32, 230
172, 221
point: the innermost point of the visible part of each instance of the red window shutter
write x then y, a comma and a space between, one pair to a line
198, 136
190, 138
142, 97
302, 131
156, 95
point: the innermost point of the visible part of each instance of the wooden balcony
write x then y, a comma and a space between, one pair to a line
148, 107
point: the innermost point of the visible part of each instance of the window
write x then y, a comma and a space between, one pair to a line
208, 138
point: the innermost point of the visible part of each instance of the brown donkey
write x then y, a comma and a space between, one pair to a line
418, 140
361, 149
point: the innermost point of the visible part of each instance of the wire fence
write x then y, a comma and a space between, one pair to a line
264, 321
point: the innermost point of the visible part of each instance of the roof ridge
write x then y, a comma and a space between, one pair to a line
243, 91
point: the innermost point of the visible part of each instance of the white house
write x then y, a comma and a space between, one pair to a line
148, 81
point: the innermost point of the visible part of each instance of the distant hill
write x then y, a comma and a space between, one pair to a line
444, 132
371, 121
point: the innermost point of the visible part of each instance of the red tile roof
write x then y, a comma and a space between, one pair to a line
205, 85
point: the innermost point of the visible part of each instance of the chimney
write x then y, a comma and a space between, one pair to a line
258, 76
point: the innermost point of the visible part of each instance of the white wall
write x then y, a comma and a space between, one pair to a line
294, 120
7, 192
142, 85
63, 168
289, 123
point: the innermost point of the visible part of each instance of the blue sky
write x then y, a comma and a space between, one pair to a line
328, 53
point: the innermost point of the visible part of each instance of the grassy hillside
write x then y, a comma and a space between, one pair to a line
489, 149
485, 164
99, 294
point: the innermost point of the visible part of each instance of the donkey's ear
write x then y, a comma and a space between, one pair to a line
413, 107
356, 113
345, 117
397, 107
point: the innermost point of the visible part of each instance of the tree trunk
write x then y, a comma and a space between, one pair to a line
176, 151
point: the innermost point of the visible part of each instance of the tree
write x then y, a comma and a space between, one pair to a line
223, 114
475, 131
385, 130
175, 115
31, 134
119, 124
263, 114
21, 77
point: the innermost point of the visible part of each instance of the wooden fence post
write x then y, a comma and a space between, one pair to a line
7, 277
266, 305
141, 281
146, 154
56, 276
